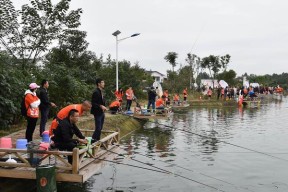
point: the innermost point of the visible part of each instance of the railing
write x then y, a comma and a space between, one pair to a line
78, 155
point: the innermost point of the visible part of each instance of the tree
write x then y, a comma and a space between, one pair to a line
228, 76
26, 34
171, 58
215, 64
194, 66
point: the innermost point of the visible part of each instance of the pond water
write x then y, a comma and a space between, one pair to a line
202, 149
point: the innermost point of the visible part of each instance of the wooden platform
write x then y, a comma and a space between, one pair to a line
157, 114
180, 106
86, 161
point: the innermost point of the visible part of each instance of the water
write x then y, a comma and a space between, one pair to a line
202, 150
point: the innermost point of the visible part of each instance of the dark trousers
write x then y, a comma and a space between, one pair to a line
44, 117
99, 121
128, 105
114, 110
67, 147
31, 124
151, 102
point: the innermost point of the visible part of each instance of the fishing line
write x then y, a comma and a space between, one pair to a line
151, 165
203, 136
161, 171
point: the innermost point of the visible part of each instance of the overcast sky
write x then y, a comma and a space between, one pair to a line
253, 32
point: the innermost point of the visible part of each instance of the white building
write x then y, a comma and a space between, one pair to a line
209, 83
158, 77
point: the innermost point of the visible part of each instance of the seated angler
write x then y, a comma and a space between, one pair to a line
63, 135
115, 106
160, 103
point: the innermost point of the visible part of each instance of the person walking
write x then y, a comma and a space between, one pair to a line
98, 109
32, 103
129, 97
44, 105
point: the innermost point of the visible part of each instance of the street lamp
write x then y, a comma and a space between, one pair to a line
116, 33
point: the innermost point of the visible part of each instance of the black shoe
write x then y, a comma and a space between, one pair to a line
93, 141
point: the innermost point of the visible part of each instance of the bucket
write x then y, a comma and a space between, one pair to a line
46, 179
44, 146
21, 144
45, 137
6, 142
34, 157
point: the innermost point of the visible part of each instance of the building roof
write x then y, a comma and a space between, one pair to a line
156, 72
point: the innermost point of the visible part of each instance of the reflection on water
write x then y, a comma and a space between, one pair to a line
202, 149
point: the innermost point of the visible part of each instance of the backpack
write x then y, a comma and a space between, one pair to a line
23, 107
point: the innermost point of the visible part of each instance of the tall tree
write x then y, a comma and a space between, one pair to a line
215, 64
171, 58
194, 67
26, 34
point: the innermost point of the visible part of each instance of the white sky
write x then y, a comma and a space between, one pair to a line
253, 32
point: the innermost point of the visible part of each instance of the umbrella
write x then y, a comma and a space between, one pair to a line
223, 83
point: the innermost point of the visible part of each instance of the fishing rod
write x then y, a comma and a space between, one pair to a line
160, 171
207, 137
151, 165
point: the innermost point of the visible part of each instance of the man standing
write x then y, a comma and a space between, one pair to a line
185, 95
98, 109
45, 104
151, 99
63, 137
129, 97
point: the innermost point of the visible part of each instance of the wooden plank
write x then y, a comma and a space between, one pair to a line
76, 162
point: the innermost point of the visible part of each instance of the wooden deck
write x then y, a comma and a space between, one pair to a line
157, 114
86, 161
180, 106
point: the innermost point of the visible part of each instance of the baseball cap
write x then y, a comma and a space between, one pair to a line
33, 86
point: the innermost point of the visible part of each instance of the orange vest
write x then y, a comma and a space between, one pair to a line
115, 104
118, 95
279, 90
32, 103
185, 93
209, 92
63, 113
159, 102
176, 98
129, 94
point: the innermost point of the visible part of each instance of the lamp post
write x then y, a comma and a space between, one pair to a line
116, 33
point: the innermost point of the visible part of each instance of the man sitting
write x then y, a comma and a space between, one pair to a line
63, 135
115, 106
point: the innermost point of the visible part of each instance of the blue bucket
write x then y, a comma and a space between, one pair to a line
46, 139
21, 144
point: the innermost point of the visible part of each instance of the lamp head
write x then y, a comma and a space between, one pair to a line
136, 34
116, 33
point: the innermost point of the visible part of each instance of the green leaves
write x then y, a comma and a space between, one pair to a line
27, 34
171, 58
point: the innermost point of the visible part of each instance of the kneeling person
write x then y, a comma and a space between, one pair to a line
63, 135
114, 107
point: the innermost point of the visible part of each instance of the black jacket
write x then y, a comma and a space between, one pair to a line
65, 131
97, 100
44, 98
152, 95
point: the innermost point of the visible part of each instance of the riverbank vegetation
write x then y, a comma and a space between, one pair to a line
43, 41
